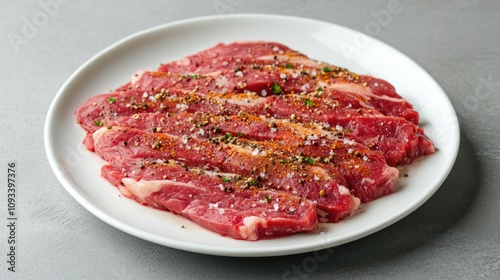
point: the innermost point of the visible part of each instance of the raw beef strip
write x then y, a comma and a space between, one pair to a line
274, 59
215, 201
322, 184
399, 140
366, 172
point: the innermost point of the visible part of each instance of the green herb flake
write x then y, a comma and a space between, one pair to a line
276, 89
240, 134
309, 103
112, 100
98, 123
268, 199
225, 179
310, 160
289, 65
319, 89
228, 136
282, 161
326, 69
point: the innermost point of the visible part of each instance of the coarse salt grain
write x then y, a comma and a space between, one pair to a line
312, 137
349, 142
181, 106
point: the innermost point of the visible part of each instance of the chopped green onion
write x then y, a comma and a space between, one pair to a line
289, 65
310, 160
282, 161
319, 89
326, 69
308, 103
112, 100
98, 123
228, 136
240, 134
225, 179
276, 89
268, 199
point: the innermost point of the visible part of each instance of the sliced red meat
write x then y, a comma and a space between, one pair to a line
215, 201
366, 172
279, 124
322, 184
256, 66
223, 56
406, 143
271, 79
392, 142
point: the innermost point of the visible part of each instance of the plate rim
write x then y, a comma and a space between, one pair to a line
207, 249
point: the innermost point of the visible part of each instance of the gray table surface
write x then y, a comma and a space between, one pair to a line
454, 235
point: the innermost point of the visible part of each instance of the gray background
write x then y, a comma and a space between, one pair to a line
455, 235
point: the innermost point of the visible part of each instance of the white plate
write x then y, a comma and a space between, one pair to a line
79, 170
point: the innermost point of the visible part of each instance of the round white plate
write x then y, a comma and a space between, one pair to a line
78, 170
